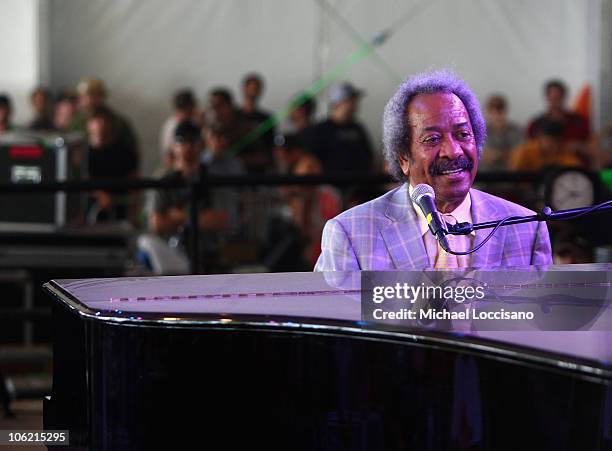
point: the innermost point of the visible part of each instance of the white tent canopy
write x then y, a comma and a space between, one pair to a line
144, 51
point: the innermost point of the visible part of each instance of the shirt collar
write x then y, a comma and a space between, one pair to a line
463, 212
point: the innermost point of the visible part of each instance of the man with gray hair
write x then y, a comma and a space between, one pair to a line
433, 133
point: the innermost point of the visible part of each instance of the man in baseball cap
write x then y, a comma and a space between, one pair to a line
343, 91
340, 142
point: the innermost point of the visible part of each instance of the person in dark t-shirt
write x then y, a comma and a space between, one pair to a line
43, 108
575, 127
109, 157
252, 90
301, 116
340, 142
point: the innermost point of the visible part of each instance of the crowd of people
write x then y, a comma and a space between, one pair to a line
556, 137
223, 137
340, 143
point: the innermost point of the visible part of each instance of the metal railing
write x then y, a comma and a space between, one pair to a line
197, 189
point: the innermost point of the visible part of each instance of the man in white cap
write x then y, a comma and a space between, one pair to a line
340, 142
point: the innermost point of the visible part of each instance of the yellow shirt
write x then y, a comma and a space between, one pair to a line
529, 157
463, 213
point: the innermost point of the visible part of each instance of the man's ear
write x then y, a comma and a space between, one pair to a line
404, 162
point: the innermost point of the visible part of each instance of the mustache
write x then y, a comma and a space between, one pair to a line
440, 166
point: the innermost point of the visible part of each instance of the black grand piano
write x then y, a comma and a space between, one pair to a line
285, 361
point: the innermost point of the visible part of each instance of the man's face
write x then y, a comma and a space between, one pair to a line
5, 114
185, 155
297, 114
64, 112
98, 131
40, 102
346, 109
497, 115
443, 148
89, 101
252, 89
216, 143
222, 109
285, 156
555, 98
183, 114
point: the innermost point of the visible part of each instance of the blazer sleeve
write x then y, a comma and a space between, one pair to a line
337, 253
542, 252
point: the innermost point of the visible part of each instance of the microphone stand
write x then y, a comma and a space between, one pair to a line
465, 228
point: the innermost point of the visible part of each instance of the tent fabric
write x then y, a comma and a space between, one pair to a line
144, 51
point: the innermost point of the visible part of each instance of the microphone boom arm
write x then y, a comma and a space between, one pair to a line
465, 228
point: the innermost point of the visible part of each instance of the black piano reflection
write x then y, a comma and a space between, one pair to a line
284, 361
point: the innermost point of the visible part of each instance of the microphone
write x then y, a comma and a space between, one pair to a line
424, 197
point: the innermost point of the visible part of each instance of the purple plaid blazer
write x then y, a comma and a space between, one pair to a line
383, 234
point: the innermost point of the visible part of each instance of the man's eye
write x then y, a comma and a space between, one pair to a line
431, 139
464, 134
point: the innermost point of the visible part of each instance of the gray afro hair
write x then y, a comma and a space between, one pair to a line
396, 130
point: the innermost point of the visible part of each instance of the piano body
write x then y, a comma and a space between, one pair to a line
284, 361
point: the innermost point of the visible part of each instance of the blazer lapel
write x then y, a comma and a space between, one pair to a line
401, 236
484, 210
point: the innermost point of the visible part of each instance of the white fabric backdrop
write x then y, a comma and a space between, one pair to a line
144, 50
19, 52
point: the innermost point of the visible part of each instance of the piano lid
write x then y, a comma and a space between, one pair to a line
325, 302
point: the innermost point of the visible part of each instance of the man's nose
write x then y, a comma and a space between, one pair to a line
450, 148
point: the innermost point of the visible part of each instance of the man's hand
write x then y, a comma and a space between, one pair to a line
177, 216
168, 222
103, 199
